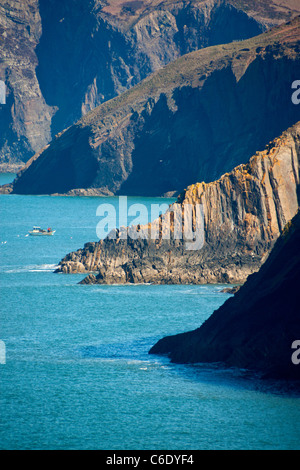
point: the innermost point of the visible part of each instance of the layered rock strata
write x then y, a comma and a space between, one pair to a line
25, 118
243, 214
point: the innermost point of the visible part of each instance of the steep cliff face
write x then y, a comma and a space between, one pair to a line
193, 120
61, 59
25, 119
256, 328
243, 214
120, 44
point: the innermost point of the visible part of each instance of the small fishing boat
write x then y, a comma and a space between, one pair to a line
38, 231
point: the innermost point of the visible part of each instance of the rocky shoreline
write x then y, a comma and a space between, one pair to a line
244, 212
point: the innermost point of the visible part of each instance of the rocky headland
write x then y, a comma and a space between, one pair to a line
60, 59
256, 329
193, 120
244, 212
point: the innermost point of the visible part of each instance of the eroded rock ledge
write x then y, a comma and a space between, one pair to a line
244, 213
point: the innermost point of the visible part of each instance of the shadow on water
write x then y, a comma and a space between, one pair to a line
216, 374
117, 350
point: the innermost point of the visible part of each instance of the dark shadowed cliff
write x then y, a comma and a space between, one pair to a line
191, 121
60, 59
243, 214
257, 327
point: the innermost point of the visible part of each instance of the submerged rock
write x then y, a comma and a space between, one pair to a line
230, 290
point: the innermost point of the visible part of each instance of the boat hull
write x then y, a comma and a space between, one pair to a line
41, 234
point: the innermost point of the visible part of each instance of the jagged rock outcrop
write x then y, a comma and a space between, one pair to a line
192, 121
61, 59
243, 214
256, 328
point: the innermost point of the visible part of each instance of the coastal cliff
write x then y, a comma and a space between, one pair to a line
193, 120
25, 119
257, 327
60, 60
243, 214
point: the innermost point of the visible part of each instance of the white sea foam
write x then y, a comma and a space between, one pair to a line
30, 268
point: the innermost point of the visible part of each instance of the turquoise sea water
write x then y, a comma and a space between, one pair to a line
78, 374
